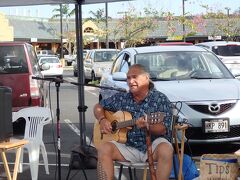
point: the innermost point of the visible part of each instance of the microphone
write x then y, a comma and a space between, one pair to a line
177, 106
178, 119
175, 112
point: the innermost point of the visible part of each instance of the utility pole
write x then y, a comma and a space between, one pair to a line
106, 10
228, 9
61, 32
183, 25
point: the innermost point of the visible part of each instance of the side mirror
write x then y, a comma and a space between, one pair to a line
235, 72
119, 76
237, 76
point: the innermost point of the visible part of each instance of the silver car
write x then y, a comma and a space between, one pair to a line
201, 87
97, 62
227, 51
74, 63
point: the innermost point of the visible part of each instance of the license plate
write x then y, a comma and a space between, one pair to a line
215, 125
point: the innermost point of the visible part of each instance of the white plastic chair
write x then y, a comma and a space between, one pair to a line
36, 118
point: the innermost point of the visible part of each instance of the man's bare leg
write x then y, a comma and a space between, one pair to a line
107, 153
163, 154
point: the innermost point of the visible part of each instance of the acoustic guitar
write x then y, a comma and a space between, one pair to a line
120, 120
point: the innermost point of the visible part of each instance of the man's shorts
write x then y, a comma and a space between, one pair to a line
133, 155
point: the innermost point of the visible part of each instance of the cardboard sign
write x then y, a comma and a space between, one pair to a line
219, 167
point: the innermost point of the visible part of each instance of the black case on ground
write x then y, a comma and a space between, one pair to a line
6, 127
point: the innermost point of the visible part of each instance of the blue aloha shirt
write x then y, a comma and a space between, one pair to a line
154, 102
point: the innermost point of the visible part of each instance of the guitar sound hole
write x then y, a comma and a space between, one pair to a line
114, 126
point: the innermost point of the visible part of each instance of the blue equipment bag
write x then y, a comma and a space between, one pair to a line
189, 170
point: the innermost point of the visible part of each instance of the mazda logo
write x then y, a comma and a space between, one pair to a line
214, 108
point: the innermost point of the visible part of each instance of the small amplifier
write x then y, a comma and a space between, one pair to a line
6, 127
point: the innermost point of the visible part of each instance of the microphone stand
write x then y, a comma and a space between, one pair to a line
57, 81
57, 85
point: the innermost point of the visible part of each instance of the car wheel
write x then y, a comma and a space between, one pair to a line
93, 77
75, 74
60, 76
87, 80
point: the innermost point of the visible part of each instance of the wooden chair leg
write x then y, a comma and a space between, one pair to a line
180, 152
145, 174
17, 161
5, 163
176, 144
180, 176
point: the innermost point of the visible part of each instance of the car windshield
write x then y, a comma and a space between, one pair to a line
102, 56
229, 50
12, 60
49, 60
183, 65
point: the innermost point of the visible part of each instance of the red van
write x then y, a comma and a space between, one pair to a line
18, 63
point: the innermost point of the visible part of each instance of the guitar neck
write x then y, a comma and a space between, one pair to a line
123, 124
156, 118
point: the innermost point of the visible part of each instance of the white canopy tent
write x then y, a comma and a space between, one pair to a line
78, 19
4, 3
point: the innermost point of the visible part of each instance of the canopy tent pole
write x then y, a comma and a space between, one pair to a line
81, 101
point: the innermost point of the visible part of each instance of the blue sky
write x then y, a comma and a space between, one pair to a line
174, 6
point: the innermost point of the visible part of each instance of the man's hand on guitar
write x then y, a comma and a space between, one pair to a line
105, 126
142, 123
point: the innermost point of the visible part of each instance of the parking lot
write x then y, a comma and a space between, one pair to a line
172, 44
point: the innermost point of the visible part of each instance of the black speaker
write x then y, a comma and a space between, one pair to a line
6, 127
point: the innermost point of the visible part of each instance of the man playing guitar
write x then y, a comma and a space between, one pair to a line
141, 99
